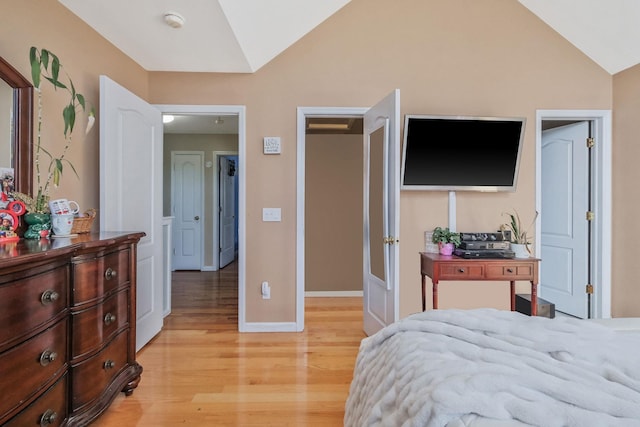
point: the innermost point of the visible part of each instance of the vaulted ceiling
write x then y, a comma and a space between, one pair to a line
240, 36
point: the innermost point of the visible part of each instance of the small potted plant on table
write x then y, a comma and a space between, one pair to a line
446, 239
519, 235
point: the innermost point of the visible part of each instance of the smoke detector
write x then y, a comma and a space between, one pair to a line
174, 19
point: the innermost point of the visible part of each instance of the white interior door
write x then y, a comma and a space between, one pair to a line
186, 204
227, 211
131, 191
381, 213
564, 227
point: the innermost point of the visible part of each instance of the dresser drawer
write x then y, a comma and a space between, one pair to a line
49, 410
42, 296
96, 277
97, 324
461, 271
27, 367
91, 377
510, 272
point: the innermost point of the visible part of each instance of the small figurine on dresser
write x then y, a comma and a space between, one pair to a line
9, 220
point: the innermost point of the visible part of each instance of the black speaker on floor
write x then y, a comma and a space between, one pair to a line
545, 308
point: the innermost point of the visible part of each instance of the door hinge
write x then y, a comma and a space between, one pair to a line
591, 215
590, 142
589, 288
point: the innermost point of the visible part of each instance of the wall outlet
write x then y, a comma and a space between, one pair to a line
266, 290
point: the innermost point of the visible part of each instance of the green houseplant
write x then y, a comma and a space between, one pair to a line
520, 241
46, 67
446, 239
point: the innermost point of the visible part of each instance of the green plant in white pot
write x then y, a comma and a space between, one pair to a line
520, 241
446, 239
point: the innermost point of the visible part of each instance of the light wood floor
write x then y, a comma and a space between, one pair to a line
200, 371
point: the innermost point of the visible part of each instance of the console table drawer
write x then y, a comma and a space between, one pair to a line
27, 367
99, 323
510, 272
460, 271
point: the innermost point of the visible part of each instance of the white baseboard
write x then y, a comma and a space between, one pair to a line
207, 268
332, 294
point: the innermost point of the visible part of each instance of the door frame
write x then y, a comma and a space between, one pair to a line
173, 198
215, 201
240, 111
302, 114
601, 262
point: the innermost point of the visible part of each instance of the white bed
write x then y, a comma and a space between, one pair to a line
492, 368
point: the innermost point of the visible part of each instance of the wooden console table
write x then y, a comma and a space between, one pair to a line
441, 267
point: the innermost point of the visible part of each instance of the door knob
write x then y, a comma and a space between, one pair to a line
197, 218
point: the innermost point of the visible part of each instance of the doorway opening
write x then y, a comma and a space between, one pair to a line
317, 128
597, 258
209, 130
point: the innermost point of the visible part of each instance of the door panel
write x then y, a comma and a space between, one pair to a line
381, 213
187, 209
131, 191
564, 228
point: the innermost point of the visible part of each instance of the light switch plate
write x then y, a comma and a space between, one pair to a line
271, 214
271, 145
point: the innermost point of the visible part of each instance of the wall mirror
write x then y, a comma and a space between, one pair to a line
16, 126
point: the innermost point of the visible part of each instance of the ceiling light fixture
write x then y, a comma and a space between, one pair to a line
167, 118
174, 19
218, 121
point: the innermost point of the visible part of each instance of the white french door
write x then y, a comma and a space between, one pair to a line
381, 213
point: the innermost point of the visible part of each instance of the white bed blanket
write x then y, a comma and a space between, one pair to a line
454, 367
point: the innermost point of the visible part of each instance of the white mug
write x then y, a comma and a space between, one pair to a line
62, 224
63, 207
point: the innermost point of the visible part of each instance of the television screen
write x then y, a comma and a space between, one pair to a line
457, 153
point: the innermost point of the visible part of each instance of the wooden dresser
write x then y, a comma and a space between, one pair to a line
67, 341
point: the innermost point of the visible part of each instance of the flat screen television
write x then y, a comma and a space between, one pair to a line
458, 153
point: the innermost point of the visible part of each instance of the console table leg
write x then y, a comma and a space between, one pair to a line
534, 298
435, 295
513, 295
424, 284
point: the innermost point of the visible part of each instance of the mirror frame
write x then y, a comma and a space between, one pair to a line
22, 125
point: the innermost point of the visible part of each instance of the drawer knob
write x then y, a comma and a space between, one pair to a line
110, 274
48, 418
109, 318
509, 270
461, 270
47, 357
49, 296
109, 364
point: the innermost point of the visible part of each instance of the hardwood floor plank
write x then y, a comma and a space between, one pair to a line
201, 371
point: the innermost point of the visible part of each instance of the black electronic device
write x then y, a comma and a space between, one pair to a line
458, 153
497, 236
487, 245
483, 253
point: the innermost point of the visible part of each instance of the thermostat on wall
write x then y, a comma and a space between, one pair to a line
271, 145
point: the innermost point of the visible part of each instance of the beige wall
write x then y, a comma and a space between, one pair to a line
207, 144
333, 213
626, 176
85, 56
456, 57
